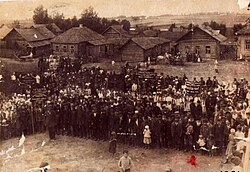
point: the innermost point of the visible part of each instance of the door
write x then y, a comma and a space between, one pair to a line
208, 51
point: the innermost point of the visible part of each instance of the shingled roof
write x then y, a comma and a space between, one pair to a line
117, 41
216, 35
4, 30
149, 42
77, 35
44, 31
119, 29
30, 35
173, 36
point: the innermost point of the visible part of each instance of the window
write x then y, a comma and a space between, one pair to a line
64, 48
57, 48
72, 49
247, 44
197, 50
208, 50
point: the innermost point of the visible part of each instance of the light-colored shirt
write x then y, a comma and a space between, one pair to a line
125, 163
13, 77
37, 79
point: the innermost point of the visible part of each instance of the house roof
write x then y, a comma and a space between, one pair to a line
118, 41
149, 42
30, 34
77, 35
39, 43
173, 36
98, 42
150, 33
119, 29
55, 28
4, 30
44, 31
214, 34
244, 31
52, 27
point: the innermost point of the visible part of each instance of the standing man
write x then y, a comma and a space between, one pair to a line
51, 122
125, 162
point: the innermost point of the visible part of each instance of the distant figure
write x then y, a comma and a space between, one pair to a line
216, 66
125, 162
147, 137
112, 143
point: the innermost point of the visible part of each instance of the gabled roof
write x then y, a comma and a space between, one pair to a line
119, 29
244, 31
98, 42
214, 34
150, 33
118, 41
173, 36
149, 42
4, 30
54, 28
77, 35
44, 31
29, 35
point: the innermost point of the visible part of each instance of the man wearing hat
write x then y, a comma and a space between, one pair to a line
176, 133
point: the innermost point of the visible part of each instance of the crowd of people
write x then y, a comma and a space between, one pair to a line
136, 107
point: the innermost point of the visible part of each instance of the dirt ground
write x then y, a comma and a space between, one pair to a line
69, 154
228, 69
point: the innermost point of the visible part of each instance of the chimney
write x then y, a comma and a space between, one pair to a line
81, 25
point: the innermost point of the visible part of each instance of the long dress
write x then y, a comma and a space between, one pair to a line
230, 145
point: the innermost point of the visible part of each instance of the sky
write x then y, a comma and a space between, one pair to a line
23, 9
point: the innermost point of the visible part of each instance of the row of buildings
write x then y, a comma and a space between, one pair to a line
119, 44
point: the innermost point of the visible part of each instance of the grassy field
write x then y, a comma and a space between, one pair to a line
69, 154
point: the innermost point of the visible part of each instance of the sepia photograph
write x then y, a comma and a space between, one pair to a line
124, 86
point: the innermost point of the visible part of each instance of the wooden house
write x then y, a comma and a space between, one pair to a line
25, 41
116, 31
143, 48
114, 45
243, 42
203, 41
172, 36
79, 42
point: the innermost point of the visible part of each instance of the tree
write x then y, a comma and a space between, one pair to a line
74, 22
89, 13
237, 27
16, 24
90, 19
41, 15
59, 20
126, 24
216, 26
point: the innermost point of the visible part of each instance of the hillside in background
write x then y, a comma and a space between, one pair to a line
226, 18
